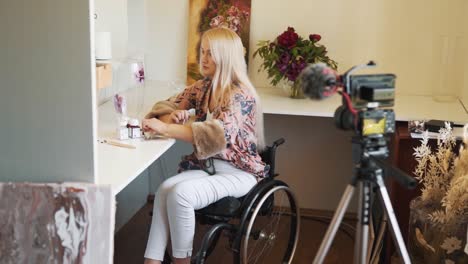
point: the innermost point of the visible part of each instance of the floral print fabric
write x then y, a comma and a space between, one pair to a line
238, 120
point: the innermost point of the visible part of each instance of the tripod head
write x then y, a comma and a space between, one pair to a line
370, 152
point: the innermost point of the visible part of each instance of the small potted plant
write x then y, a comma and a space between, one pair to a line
288, 54
439, 217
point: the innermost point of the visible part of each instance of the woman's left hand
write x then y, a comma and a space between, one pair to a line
154, 125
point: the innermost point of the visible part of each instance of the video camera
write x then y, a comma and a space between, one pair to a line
366, 102
364, 96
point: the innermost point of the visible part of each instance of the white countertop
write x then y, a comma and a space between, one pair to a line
119, 166
407, 107
417, 107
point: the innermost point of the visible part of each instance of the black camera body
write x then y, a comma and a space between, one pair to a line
378, 88
368, 122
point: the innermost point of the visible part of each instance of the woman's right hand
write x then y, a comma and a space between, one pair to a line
179, 116
154, 125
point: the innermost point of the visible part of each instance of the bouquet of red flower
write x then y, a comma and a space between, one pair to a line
287, 55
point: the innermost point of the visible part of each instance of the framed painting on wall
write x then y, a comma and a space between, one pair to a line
206, 14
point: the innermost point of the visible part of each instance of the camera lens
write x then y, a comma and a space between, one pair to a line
344, 119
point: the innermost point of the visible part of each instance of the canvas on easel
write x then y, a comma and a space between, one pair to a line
206, 14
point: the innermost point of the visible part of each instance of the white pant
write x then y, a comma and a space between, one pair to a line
178, 197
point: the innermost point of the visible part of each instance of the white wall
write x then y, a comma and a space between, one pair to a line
46, 98
126, 20
112, 17
403, 37
166, 54
465, 72
136, 10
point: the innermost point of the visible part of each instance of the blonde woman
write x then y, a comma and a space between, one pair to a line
227, 136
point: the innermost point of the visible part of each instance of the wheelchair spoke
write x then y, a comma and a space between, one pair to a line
270, 229
268, 242
259, 253
279, 216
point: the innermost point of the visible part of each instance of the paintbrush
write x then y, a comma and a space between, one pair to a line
116, 143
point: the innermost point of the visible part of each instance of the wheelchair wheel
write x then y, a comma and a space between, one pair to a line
271, 233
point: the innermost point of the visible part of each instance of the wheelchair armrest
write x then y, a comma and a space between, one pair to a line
278, 142
269, 156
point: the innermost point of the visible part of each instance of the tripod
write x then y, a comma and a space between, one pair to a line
368, 173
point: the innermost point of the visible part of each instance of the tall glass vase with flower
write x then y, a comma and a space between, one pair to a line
287, 55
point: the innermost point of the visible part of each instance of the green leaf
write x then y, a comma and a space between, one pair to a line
295, 52
277, 79
255, 53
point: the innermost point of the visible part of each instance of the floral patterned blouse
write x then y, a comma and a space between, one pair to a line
229, 136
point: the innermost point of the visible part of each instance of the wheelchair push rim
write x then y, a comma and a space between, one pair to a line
268, 227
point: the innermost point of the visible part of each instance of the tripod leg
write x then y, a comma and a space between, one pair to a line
365, 221
358, 235
362, 227
334, 225
394, 227
380, 235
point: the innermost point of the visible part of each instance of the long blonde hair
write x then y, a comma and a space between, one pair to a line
227, 52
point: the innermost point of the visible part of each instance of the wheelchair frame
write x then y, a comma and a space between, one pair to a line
246, 207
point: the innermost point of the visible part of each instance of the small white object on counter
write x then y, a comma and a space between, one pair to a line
134, 129
458, 133
122, 130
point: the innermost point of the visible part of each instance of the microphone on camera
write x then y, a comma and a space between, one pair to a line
319, 81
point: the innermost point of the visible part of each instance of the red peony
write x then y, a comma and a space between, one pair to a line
315, 37
288, 39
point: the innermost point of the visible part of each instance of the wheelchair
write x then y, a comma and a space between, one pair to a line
253, 223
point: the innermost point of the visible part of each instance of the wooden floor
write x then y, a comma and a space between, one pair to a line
130, 242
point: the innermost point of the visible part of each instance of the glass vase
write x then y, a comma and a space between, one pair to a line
429, 242
293, 89
129, 79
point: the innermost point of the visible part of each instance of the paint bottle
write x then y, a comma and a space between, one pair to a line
134, 129
122, 130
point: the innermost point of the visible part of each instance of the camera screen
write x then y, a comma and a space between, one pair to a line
372, 126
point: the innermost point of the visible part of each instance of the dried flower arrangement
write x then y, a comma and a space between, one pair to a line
444, 177
439, 217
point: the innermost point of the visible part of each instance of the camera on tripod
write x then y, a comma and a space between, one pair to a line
367, 102
366, 109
